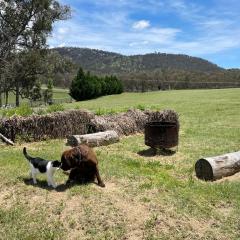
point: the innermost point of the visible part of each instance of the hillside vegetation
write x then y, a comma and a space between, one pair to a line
153, 71
112, 63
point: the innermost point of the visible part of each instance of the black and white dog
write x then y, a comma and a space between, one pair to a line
39, 165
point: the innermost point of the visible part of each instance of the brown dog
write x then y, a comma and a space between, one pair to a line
83, 163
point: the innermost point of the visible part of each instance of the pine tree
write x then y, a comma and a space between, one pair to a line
86, 86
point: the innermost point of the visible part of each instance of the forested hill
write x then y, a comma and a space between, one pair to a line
103, 62
148, 72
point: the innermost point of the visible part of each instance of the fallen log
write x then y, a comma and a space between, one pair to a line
6, 140
94, 139
213, 168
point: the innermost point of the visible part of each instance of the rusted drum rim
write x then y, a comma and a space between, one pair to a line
165, 123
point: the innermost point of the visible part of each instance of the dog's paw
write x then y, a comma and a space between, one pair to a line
101, 184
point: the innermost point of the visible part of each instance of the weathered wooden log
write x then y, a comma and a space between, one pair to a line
213, 168
6, 140
94, 139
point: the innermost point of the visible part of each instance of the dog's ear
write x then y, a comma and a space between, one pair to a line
83, 149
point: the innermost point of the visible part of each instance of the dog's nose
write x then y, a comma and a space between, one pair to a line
64, 168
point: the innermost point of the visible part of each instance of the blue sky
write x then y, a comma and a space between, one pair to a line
203, 28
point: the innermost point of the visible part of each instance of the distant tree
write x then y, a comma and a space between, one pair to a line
107, 86
48, 93
86, 86
98, 84
143, 85
27, 23
77, 90
25, 26
36, 92
117, 85
6, 81
27, 66
58, 68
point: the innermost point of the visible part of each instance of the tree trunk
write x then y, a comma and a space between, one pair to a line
6, 98
214, 168
17, 94
0, 99
94, 139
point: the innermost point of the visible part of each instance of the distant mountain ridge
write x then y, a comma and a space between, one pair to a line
103, 62
148, 72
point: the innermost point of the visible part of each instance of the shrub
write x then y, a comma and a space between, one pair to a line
100, 111
141, 107
77, 107
55, 108
104, 111
23, 110
40, 111
86, 86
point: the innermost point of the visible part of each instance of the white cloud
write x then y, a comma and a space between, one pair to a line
132, 44
62, 30
62, 45
113, 37
142, 24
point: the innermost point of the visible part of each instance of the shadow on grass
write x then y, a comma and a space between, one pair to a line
60, 188
151, 152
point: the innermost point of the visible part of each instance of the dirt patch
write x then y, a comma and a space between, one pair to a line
224, 209
166, 222
6, 197
70, 217
135, 213
233, 178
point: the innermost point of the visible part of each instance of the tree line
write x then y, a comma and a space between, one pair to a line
164, 79
87, 86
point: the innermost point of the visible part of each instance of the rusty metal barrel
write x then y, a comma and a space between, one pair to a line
161, 134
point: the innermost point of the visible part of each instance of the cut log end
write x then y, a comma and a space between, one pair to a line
204, 170
213, 168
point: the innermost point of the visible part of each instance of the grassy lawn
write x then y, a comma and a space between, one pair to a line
146, 197
57, 93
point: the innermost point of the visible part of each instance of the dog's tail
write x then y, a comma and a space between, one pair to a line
26, 155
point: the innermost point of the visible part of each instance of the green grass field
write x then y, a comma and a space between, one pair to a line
58, 93
146, 197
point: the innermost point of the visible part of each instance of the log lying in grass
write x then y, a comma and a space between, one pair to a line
213, 168
94, 139
6, 140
